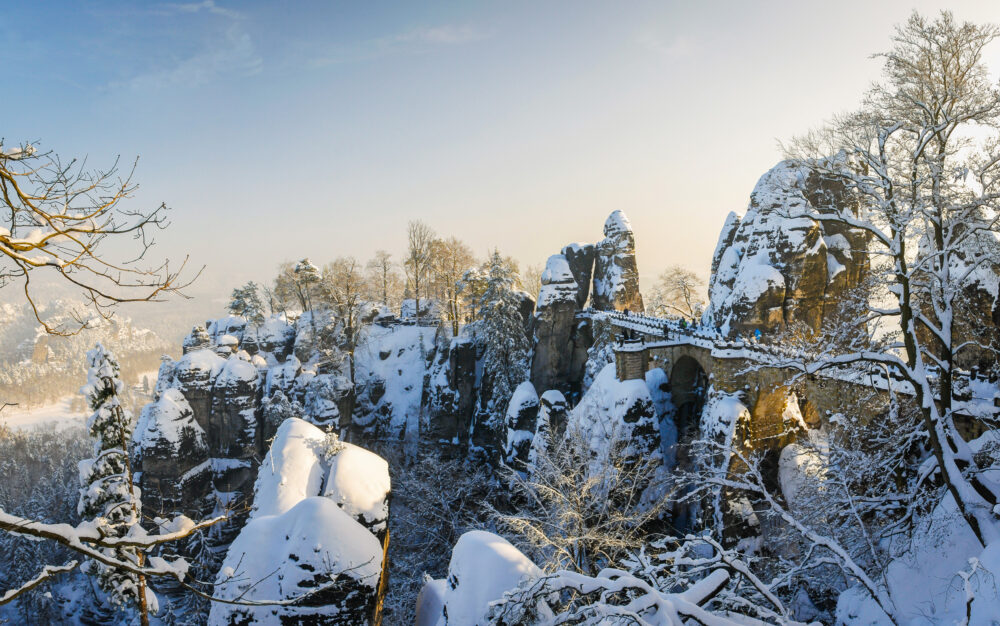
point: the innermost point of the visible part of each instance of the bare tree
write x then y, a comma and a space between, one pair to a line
418, 261
61, 216
343, 287
929, 199
581, 513
383, 278
678, 291
531, 280
451, 259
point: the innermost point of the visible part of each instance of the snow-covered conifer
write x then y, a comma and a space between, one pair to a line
505, 357
246, 302
107, 494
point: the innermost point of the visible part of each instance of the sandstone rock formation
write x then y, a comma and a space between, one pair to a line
580, 258
616, 276
522, 413
779, 265
320, 513
451, 393
562, 335
555, 323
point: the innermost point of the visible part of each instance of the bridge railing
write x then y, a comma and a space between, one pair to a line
764, 353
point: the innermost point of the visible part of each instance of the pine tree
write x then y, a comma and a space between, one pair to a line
246, 302
107, 494
505, 356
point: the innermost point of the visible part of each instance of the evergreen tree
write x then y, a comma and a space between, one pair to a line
246, 302
107, 495
506, 345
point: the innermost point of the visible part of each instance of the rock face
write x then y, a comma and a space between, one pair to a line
580, 258
780, 265
201, 438
616, 276
451, 393
562, 335
175, 458
555, 323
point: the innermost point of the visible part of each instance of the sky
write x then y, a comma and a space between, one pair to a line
276, 131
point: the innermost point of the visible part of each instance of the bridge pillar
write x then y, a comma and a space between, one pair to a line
631, 361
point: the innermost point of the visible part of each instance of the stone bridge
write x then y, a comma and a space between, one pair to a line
694, 357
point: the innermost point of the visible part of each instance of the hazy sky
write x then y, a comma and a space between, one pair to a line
282, 130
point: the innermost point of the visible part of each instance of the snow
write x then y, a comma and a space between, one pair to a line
430, 603
311, 543
926, 582
323, 508
722, 412
557, 270
600, 414
405, 349
282, 376
558, 284
833, 267
295, 468
238, 369
483, 566
800, 469
754, 280
358, 481
165, 421
56, 415
617, 223
292, 469
204, 360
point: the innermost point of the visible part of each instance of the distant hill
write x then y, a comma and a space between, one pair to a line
37, 368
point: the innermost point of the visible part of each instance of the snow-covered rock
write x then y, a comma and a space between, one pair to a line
314, 549
483, 566
616, 276
779, 264
557, 361
174, 454
522, 413
319, 518
614, 411
390, 366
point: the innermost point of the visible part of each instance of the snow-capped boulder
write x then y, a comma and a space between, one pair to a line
303, 462
616, 276
779, 264
358, 481
314, 545
319, 519
483, 566
197, 339
522, 413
